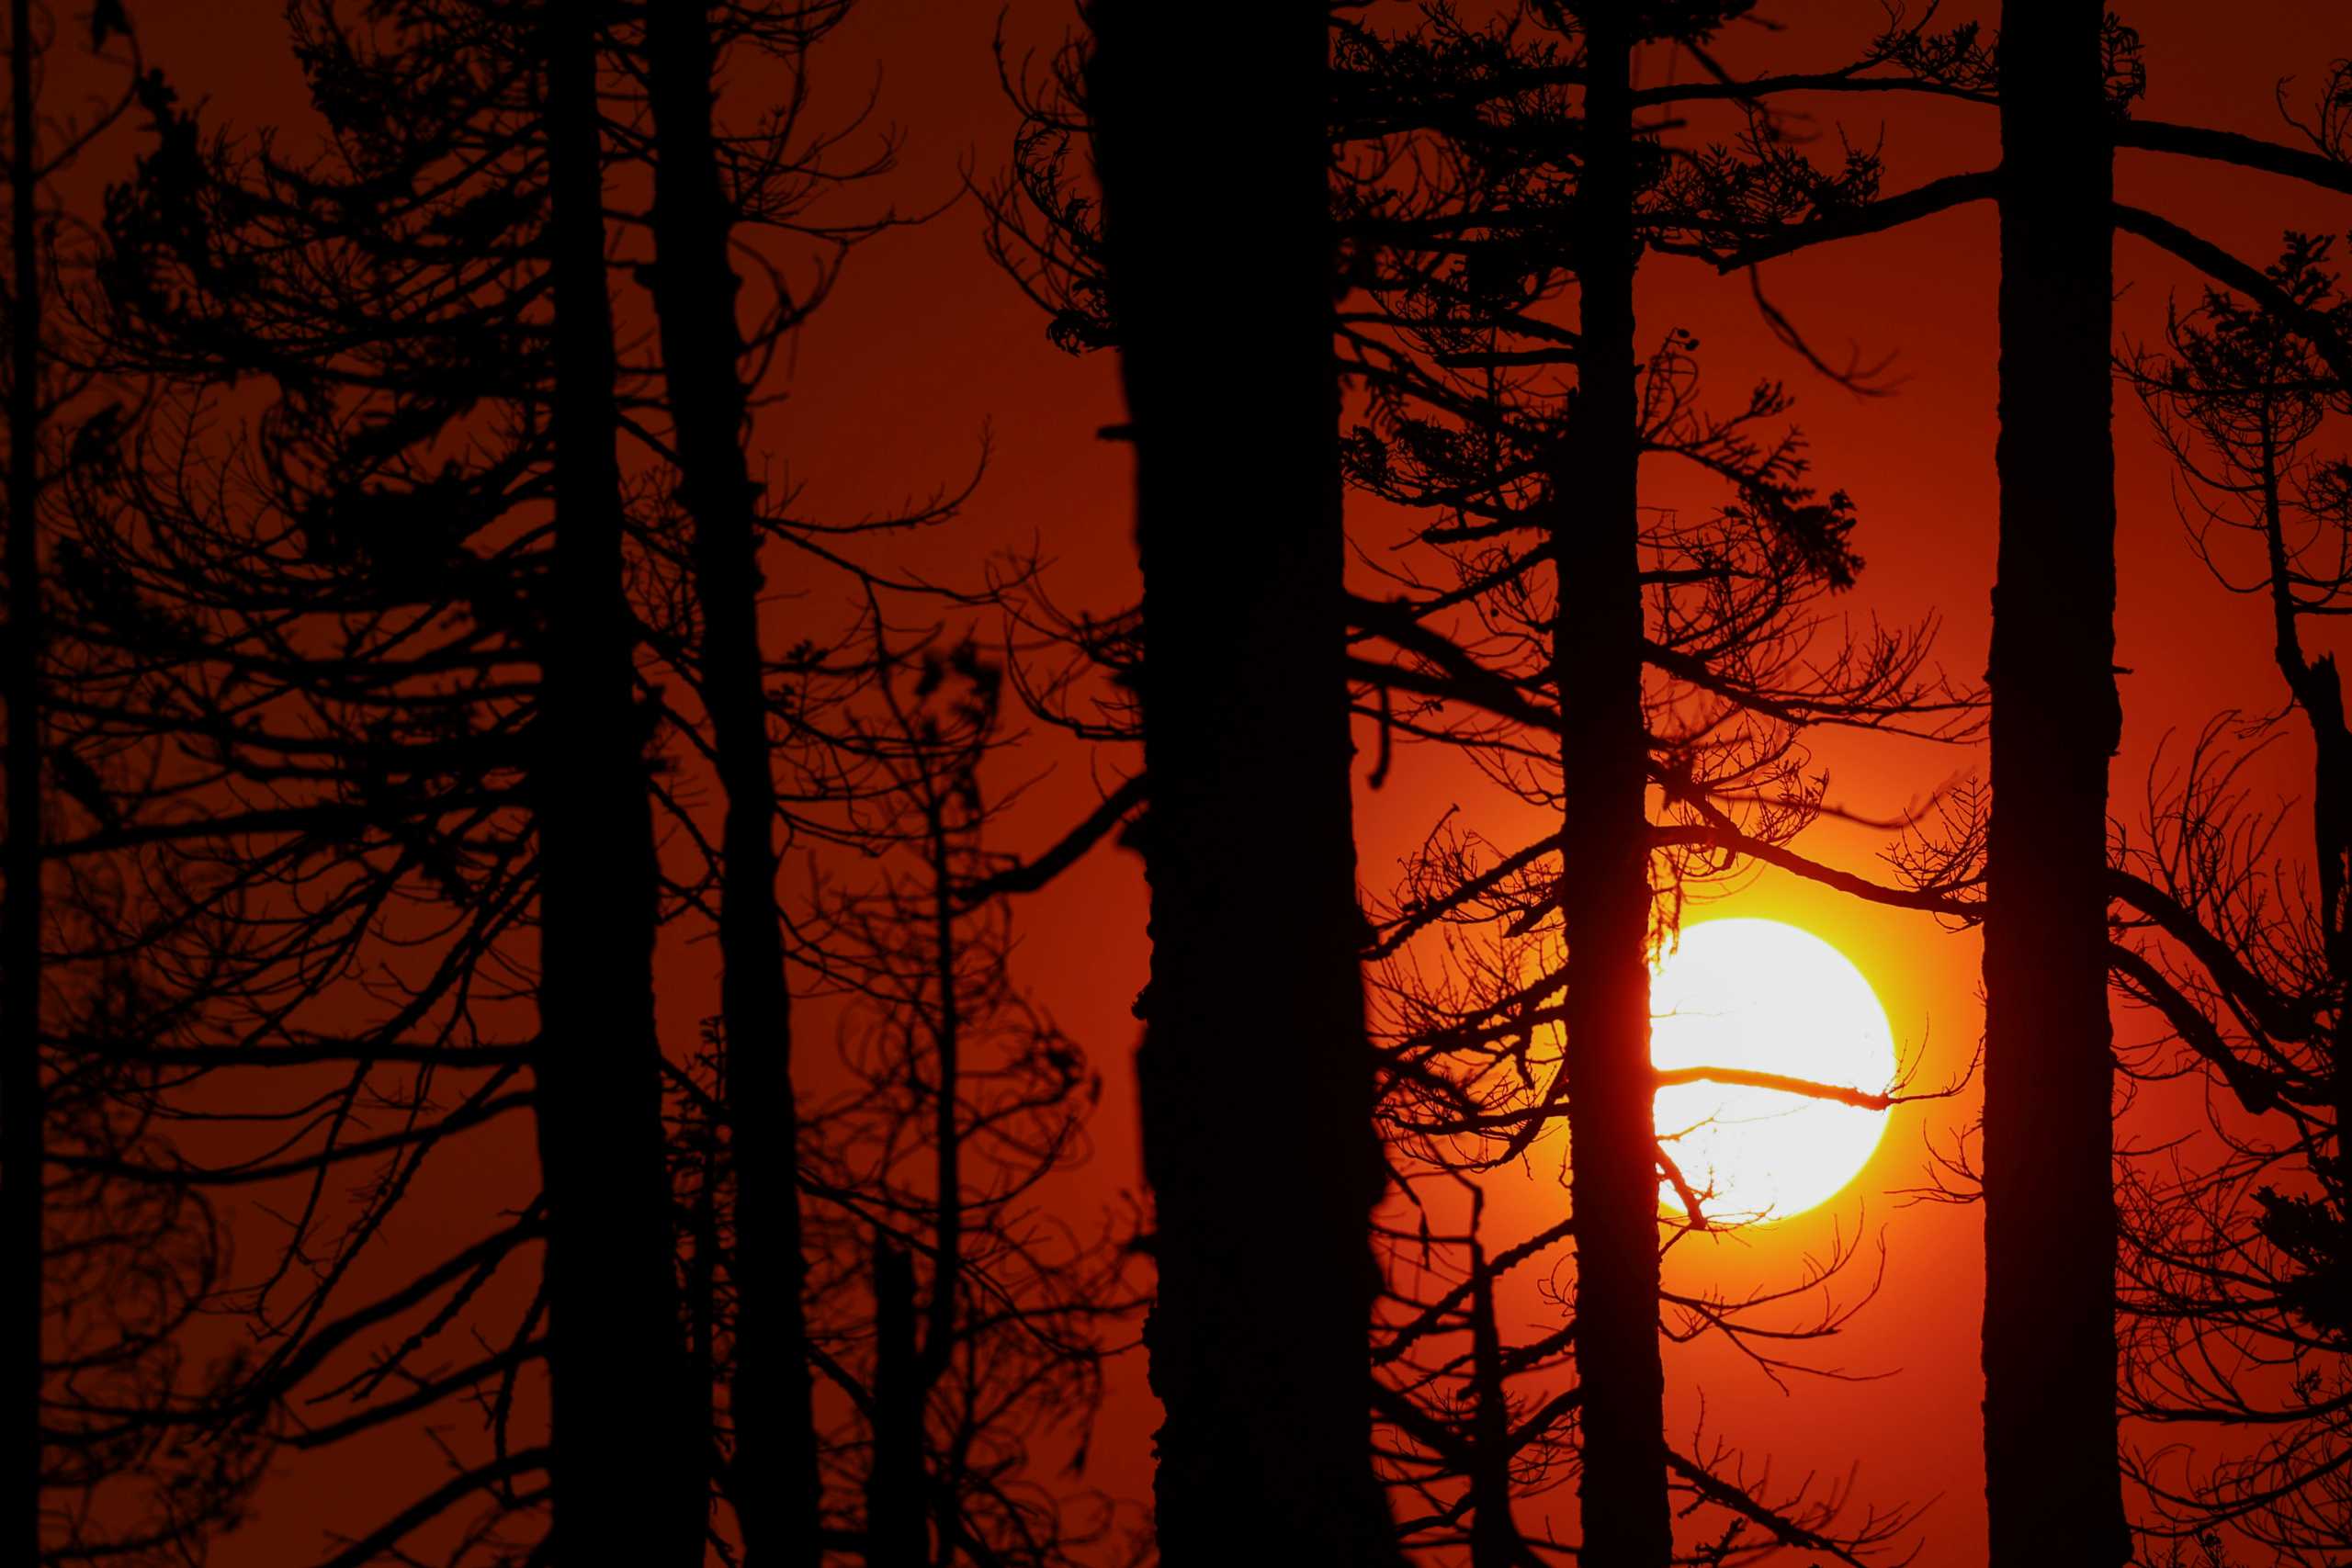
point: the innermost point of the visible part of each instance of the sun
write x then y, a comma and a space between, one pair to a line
1763, 996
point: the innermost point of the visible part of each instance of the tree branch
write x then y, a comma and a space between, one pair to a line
1073, 847
1889, 212
2247, 279
2230, 147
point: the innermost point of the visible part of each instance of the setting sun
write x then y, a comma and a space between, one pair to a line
1760, 997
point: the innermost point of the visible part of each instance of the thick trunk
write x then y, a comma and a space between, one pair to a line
1605, 885
627, 1483
1259, 1338
2052, 1483
21, 1114
774, 1484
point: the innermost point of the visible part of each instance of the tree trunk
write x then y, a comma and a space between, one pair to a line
947, 1159
1221, 272
2317, 687
895, 1486
2052, 1483
1494, 1533
22, 1115
1605, 908
774, 1487
629, 1481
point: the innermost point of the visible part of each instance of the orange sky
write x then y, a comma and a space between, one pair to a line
925, 345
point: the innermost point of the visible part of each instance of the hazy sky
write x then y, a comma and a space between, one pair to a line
926, 346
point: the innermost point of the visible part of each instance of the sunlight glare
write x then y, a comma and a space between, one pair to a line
1765, 996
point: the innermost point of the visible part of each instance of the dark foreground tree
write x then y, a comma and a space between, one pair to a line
2053, 1490
2061, 77
614, 1311
1258, 1337
1488, 170
106, 1258
444, 574
2064, 78
777, 1488
22, 1134
1598, 647
1640, 675
413, 600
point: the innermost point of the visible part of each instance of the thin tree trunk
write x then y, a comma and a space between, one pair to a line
1221, 271
947, 1151
776, 1488
1494, 1534
22, 1115
2053, 1488
2317, 687
628, 1485
895, 1482
1605, 887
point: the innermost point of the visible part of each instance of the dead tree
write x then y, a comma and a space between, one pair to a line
408, 633
1639, 678
2234, 1265
2063, 80
427, 584
696, 291
105, 1259
1453, 341
979, 1341
612, 1293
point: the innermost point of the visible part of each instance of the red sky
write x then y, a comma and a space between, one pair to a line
926, 345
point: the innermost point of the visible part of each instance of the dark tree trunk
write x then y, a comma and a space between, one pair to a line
628, 1483
1494, 1534
22, 1116
947, 1149
1221, 270
2053, 1485
896, 1533
2317, 687
774, 1486
1605, 887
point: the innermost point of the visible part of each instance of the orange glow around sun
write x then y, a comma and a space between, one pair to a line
1759, 996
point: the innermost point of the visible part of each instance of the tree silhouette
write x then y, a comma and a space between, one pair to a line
1595, 655
105, 1259
694, 291
437, 504
2051, 1485
1457, 354
2233, 1267
1257, 1332
376, 575
986, 1330
611, 1289
2063, 79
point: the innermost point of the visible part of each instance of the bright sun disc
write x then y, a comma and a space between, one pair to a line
1765, 996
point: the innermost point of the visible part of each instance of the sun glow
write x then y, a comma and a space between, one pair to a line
1760, 997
